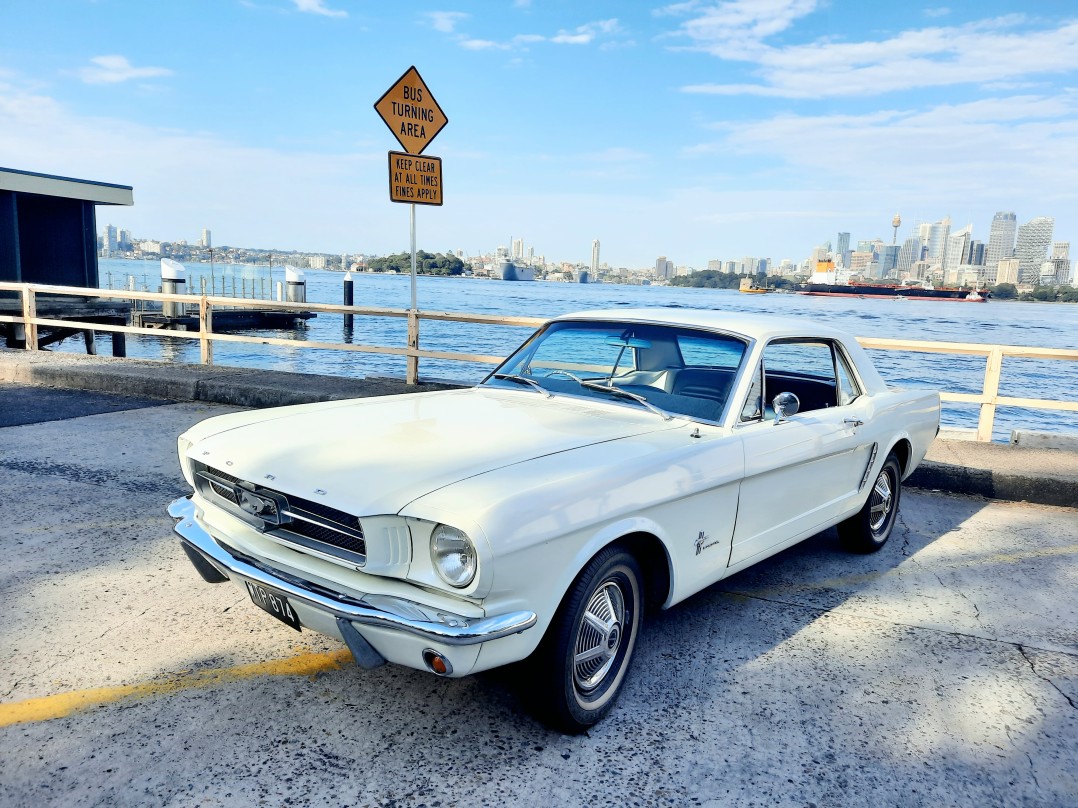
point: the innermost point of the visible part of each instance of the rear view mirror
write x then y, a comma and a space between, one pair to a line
785, 405
628, 342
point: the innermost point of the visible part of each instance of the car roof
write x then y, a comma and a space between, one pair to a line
754, 326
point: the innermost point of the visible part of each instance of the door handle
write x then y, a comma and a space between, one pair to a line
853, 423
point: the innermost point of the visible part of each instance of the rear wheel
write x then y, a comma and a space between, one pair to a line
868, 530
585, 654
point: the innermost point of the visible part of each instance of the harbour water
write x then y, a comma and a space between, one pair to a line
998, 322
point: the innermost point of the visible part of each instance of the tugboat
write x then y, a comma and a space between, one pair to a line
748, 286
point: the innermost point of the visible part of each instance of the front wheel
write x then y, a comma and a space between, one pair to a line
868, 530
585, 654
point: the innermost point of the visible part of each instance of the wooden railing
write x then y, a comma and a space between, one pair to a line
988, 399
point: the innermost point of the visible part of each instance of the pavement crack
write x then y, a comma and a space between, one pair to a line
1042, 677
964, 596
905, 535
1033, 771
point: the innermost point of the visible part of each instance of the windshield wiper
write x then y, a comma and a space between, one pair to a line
609, 388
512, 377
617, 391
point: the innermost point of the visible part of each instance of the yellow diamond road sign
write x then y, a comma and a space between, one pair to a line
411, 113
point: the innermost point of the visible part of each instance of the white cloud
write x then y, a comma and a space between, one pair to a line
445, 21
942, 11
115, 69
581, 35
318, 7
996, 50
585, 34
481, 44
736, 28
957, 150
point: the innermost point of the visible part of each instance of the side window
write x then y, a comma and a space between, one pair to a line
753, 409
808, 368
848, 388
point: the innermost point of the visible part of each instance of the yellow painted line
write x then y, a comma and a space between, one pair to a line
46, 708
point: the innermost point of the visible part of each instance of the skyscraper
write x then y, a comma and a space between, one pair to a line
843, 244
108, 241
934, 238
206, 238
1000, 239
1031, 248
594, 257
909, 253
956, 251
888, 261
1060, 263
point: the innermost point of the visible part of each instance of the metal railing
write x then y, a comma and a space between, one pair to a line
988, 398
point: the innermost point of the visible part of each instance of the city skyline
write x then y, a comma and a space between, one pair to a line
690, 129
951, 250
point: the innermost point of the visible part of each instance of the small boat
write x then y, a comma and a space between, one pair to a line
748, 286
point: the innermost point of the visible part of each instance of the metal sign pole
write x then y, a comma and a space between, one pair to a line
412, 371
413, 256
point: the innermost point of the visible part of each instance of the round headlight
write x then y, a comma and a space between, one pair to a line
453, 555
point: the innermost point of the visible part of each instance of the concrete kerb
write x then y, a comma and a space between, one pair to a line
994, 471
245, 387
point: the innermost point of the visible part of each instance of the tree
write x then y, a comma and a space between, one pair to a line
425, 263
1005, 291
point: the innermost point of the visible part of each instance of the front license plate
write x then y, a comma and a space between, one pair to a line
273, 602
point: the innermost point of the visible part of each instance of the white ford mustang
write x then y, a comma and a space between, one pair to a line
617, 459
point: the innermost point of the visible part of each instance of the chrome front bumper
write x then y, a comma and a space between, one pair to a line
455, 630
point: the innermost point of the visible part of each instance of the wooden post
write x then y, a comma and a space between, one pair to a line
119, 343
205, 328
91, 346
412, 376
992, 370
29, 312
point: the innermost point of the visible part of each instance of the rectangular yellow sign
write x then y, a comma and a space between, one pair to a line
414, 179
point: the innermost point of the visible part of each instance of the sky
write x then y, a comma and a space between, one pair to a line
692, 130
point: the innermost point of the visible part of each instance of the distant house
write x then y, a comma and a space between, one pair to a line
48, 229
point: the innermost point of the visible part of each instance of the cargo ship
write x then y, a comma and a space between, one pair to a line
826, 281
508, 271
894, 292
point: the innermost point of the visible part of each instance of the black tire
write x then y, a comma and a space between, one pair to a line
868, 530
599, 619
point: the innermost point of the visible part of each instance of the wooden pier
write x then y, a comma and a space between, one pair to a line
67, 307
223, 319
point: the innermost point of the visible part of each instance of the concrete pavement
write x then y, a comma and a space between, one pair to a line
941, 671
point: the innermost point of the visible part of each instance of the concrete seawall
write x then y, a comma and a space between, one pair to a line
995, 471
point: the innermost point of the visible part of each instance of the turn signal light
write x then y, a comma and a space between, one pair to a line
437, 663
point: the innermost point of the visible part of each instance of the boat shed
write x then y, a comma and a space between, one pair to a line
48, 229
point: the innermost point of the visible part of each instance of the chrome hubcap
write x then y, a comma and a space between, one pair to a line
881, 501
600, 636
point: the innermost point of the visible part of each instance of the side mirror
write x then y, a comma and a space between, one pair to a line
785, 405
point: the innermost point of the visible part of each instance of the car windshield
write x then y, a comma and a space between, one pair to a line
670, 369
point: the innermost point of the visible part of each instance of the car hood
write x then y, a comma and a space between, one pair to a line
374, 456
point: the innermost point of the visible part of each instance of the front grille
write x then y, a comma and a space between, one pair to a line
308, 525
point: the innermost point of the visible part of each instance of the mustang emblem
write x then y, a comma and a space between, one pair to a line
702, 542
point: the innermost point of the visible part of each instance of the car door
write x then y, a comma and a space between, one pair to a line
801, 473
